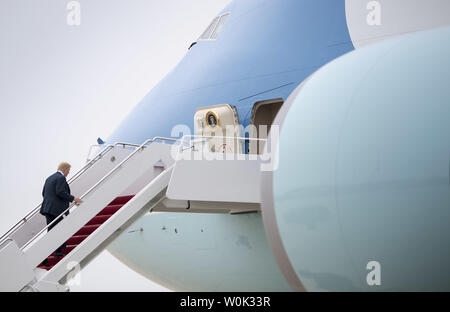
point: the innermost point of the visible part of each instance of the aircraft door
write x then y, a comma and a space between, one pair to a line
219, 124
263, 115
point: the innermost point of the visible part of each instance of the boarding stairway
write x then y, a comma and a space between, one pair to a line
87, 230
119, 185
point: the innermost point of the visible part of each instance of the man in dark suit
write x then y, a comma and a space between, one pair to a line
57, 198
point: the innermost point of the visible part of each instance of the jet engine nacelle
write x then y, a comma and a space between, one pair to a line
361, 196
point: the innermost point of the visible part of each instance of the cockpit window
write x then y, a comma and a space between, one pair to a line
210, 29
214, 29
219, 26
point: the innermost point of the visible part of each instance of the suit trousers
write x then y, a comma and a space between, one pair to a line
50, 218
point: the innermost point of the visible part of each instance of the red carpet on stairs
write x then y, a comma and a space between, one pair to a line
88, 228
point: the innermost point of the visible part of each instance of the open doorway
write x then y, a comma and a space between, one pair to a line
263, 115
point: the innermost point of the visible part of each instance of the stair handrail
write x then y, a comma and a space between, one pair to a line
79, 173
98, 157
101, 145
204, 138
63, 214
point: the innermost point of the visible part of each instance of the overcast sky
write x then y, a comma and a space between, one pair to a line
62, 86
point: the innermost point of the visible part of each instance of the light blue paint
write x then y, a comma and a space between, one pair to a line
364, 169
263, 45
206, 253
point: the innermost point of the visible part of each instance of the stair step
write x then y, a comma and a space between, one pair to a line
52, 261
121, 200
98, 220
110, 210
69, 248
75, 240
87, 230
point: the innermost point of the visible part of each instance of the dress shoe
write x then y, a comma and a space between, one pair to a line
59, 254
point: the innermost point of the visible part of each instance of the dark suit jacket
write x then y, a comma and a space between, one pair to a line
56, 194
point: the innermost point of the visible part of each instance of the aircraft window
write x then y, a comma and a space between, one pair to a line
214, 29
219, 26
210, 29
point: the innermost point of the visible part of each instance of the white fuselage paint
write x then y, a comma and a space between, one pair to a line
201, 252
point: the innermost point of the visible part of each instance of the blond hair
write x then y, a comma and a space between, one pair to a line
63, 166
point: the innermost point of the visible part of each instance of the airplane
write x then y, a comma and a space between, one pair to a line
356, 193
